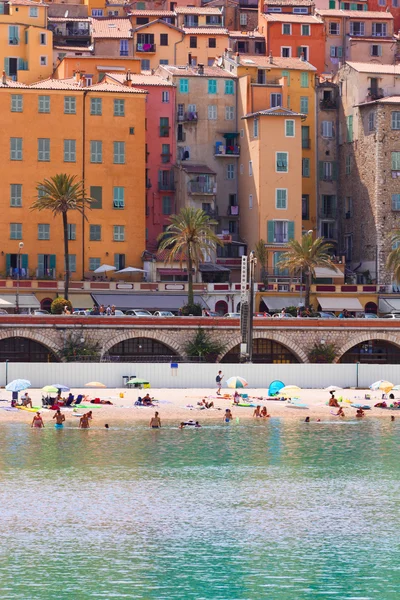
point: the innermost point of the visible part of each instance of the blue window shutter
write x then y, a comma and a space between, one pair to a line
270, 232
291, 230
24, 261
7, 66
8, 263
52, 261
21, 64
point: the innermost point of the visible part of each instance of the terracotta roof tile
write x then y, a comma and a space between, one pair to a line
278, 62
54, 84
111, 28
68, 20
246, 34
151, 13
369, 67
74, 48
144, 78
197, 10
205, 30
357, 14
27, 3
288, 3
113, 87
11, 84
290, 18
187, 71
277, 111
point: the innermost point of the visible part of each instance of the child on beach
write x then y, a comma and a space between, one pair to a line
228, 415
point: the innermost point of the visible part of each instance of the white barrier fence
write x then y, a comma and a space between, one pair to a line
193, 375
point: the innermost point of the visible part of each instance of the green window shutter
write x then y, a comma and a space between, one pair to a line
334, 171
340, 51
270, 232
7, 65
287, 75
321, 169
298, 51
291, 230
24, 261
332, 4
8, 263
304, 80
52, 261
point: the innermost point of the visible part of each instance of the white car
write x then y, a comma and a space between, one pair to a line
163, 313
232, 315
391, 316
138, 312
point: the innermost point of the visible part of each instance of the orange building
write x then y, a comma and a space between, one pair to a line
94, 67
96, 133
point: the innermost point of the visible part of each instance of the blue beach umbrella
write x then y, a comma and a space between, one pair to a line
17, 385
60, 386
275, 387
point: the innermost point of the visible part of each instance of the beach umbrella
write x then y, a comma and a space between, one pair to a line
289, 389
383, 385
236, 382
50, 389
104, 269
95, 384
275, 387
18, 385
131, 270
396, 388
332, 388
61, 387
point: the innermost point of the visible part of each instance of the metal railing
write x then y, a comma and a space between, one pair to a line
199, 187
145, 47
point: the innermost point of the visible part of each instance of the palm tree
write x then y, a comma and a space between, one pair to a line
262, 256
303, 257
189, 237
393, 259
60, 194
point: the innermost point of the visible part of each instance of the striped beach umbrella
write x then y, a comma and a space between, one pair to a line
236, 382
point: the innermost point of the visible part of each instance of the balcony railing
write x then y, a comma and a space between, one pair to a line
200, 187
280, 238
192, 117
166, 186
306, 143
164, 131
328, 213
145, 47
328, 104
45, 273
375, 93
221, 150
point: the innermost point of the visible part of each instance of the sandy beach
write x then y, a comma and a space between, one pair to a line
176, 405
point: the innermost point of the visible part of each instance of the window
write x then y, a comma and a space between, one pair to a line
43, 231
212, 112
184, 86
229, 87
305, 167
164, 126
305, 207
164, 61
282, 160
251, 201
348, 165
70, 105
145, 64
33, 11
305, 30
96, 151
97, 12
94, 264
275, 100
71, 232
119, 197
165, 97
303, 51
304, 80
193, 41
123, 48
286, 29
304, 105
379, 29
96, 194
255, 128
230, 171
192, 108
376, 50
243, 19
15, 148
395, 161
15, 231
286, 51
95, 233
328, 170
69, 150
287, 75
395, 201
13, 35
300, 10
44, 104
349, 124
95, 106
336, 51
281, 199
43, 61
16, 194
396, 119
395, 3
229, 113
16, 103
167, 205
305, 137
382, 2
43, 39
212, 42
371, 121
250, 168
72, 263
356, 28
332, 4
119, 153
44, 149
119, 233
280, 232
348, 207
334, 28
327, 129
163, 39
348, 246
119, 108
212, 86
165, 153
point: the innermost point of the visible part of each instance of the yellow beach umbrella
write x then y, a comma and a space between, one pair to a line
383, 385
289, 389
95, 384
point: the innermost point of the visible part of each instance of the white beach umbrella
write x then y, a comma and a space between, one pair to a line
332, 388
104, 269
131, 270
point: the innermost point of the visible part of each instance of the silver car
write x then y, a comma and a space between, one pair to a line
138, 312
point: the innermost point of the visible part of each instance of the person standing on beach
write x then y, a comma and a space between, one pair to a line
84, 421
219, 379
37, 421
59, 417
155, 422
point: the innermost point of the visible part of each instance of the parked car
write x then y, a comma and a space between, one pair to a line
3, 312
370, 316
281, 316
326, 315
232, 315
163, 313
41, 312
260, 314
391, 316
138, 312
81, 313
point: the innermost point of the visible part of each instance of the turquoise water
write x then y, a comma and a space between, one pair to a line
282, 511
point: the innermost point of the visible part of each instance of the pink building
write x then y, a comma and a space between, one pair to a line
160, 150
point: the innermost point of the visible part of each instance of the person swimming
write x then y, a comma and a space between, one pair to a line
360, 413
307, 420
228, 415
37, 421
84, 421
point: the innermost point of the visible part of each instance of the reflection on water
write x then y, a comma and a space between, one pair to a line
284, 511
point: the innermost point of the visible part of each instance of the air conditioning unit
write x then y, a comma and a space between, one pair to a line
283, 287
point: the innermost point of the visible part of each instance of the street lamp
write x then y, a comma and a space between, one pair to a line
301, 273
20, 246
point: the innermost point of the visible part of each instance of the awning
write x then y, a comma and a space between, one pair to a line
81, 301
213, 268
325, 273
150, 301
388, 305
278, 302
180, 272
340, 303
230, 135
24, 300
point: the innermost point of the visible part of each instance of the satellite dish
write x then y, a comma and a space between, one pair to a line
220, 62
66, 14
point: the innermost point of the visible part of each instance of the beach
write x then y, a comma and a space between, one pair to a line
177, 405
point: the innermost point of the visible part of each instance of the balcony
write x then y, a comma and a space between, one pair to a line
45, 273
188, 117
327, 104
164, 131
222, 150
328, 213
146, 48
202, 187
306, 143
211, 212
375, 93
233, 211
166, 186
165, 157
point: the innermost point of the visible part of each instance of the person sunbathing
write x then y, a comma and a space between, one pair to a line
26, 400
147, 401
333, 402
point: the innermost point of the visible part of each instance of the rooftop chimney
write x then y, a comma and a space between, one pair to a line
4, 78
237, 58
82, 82
128, 78
271, 59
200, 69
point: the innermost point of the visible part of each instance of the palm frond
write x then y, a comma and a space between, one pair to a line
60, 194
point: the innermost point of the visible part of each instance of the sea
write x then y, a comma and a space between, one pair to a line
243, 511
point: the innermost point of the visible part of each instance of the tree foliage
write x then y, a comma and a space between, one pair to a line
322, 353
393, 259
58, 305
78, 348
204, 347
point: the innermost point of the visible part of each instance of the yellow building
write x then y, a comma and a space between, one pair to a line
290, 83
94, 67
26, 45
96, 133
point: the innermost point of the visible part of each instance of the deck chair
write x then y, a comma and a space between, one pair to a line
69, 401
78, 399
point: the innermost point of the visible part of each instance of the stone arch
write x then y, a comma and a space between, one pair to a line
273, 336
365, 337
33, 336
158, 336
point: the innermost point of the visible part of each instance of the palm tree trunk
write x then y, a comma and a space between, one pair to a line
308, 287
190, 277
66, 254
